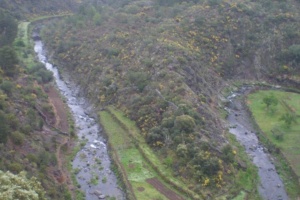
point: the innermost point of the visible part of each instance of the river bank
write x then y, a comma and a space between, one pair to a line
271, 185
91, 164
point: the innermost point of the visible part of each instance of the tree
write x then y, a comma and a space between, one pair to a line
8, 60
8, 29
294, 52
19, 187
182, 150
4, 128
205, 164
7, 87
139, 79
270, 100
288, 119
154, 135
97, 19
228, 153
185, 123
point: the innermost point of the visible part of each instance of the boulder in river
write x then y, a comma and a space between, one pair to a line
97, 192
101, 196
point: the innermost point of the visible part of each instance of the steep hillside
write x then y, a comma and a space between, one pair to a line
166, 63
29, 9
29, 140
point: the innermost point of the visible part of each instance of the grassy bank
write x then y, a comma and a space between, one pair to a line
133, 166
24, 47
23, 43
246, 179
138, 161
279, 123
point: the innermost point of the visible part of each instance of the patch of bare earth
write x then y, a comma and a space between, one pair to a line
64, 142
158, 185
59, 110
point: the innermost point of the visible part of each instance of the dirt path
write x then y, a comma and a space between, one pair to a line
63, 141
157, 184
59, 110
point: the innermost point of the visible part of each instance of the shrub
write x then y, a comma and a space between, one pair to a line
41, 74
19, 43
185, 123
4, 128
17, 137
288, 119
228, 155
154, 135
8, 60
19, 187
15, 167
8, 28
7, 87
182, 150
32, 158
294, 52
270, 100
139, 79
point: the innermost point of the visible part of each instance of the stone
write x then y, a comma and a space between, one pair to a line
101, 196
98, 192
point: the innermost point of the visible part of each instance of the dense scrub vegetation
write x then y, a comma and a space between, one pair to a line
277, 114
27, 142
34, 8
19, 187
165, 63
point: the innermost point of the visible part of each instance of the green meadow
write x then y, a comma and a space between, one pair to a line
137, 170
280, 124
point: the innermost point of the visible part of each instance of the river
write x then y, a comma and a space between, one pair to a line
92, 162
271, 186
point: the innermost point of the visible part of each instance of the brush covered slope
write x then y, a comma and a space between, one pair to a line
28, 141
165, 64
33, 8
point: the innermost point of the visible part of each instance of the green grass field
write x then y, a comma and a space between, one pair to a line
270, 123
163, 171
136, 168
246, 180
122, 133
24, 52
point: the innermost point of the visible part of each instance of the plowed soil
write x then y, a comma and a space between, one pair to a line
157, 184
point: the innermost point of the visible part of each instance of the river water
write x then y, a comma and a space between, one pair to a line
271, 186
92, 162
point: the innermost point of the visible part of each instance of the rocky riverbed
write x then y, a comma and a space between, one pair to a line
92, 163
271, 186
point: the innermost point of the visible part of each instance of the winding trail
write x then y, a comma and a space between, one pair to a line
61, 124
